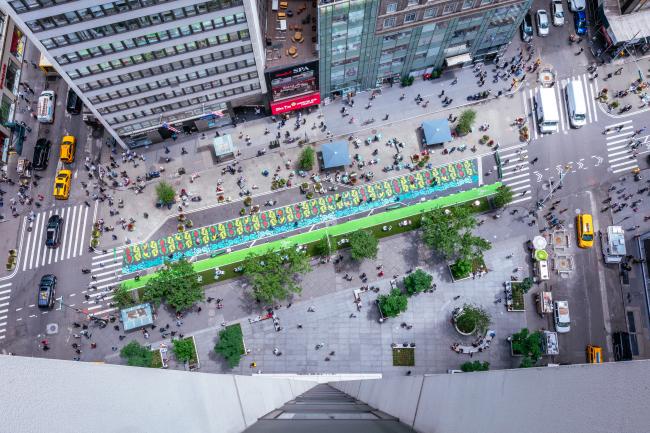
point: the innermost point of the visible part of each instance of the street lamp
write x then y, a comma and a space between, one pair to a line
563, 172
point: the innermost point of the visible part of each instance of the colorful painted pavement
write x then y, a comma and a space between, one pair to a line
303, 214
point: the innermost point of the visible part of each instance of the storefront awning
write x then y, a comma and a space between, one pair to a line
457, 60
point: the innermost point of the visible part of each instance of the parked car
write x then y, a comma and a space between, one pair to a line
46, 291
580, 22
527, 28
53, 231
577, 5
558, 12
561, 317
41, 154
73, 104
542, 23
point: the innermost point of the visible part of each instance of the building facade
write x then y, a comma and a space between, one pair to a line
366, 43
12, 46
148, 68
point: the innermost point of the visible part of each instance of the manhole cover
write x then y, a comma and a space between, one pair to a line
51, 328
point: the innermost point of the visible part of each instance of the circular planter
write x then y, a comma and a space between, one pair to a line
457, 313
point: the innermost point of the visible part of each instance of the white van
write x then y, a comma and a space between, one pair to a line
576, 104
561, 317
46, 104
577, 5
548, 117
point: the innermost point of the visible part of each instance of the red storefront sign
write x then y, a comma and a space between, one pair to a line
295, 103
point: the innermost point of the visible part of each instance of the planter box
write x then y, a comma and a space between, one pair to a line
516, 304
403, 356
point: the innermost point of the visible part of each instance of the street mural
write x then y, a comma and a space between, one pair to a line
273, 222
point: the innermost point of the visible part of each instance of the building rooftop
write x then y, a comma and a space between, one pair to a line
291, 33
626, 27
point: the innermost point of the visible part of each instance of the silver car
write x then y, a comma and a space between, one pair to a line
542, 23
558, 13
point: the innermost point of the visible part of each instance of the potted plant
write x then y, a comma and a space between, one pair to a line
180, 227
242, 211
248, 201
221, 198
485, 139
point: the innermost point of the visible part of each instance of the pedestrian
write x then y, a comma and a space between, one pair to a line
580, 52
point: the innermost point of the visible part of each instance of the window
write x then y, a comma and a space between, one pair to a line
413, 2
449, 8
389, 22
409, 17
467, 4
486, 2
390, 8
429, 13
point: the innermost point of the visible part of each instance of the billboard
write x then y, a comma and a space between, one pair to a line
294, 87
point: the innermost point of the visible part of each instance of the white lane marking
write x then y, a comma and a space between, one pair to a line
57, 252
2, 286
38, 250
560, 105
623, 169
5, 291
515, 177
118, 250
29, 238
74, 220
32, 251
83, 231
626, 157
630, 162
111, 265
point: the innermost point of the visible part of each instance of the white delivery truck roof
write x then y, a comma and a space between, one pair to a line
549, 105
579, 96
614, 246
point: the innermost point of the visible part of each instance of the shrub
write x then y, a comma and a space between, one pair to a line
468, 366
122, 297
529, 345
473, 319
461, 269
184, 349
363, 245
503, 196
136, 355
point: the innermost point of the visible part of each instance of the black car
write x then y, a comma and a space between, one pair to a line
53, 231
46, 291
527, 28
73, 104
41, 154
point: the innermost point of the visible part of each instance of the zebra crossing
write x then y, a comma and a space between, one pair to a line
590, 88
620, 154
35, 254
5, 294
106, 274
515, 172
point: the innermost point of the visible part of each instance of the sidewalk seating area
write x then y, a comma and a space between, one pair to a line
481, 344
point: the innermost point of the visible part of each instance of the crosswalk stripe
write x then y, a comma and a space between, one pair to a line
519, 187
628, 168
83, 231
517, 182
111, 259
516, 153
67, 223
29, 239
507, 173
5, 291
112, 265
37, 236
2, 286
105, 311
57, 252
514, 177
610, 154
614, 125
584, 83
112, 272
118, 250
38, 249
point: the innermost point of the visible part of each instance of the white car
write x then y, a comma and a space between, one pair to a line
542, 22
561, 317
558, 13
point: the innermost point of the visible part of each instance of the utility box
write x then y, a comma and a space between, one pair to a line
613, 244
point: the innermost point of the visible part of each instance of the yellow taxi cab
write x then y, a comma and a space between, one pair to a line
68, 148
594, 354
585, 226
62, 185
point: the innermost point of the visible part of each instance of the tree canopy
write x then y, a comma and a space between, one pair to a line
136, 355
231, 344
417, 282
323, 247
177, 283
393, 304
444, 230
307, 157
503, 196
473, 319
529, 345
363, 245
165, 192
470, 366
273, 274
122, 297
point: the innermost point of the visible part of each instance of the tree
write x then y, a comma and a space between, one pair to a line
183, 349
122, 297
363, 245
231, 344
165, 192
306, 159
323, 247
465, 122
503, 196
417, 282
177, 283
529, 345
442, 229
273, 273
393, 304
136, 355
468, 366
473, 319
472, 247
